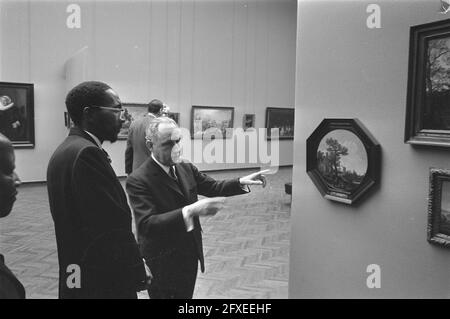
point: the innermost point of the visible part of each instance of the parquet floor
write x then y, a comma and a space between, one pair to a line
246, 245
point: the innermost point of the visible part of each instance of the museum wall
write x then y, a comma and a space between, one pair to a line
346, 70
216, 53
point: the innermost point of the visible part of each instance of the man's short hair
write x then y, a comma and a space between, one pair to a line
83, 95
155, 106
153, 128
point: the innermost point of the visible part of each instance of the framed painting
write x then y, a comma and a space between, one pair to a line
17, 113
211, 122
281, 119
343, 159
174, 116
248, 122
133, 111
68, 121
438, 231
428, 96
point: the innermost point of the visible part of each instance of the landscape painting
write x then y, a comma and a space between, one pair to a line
133, 111
342, 161
211, 122
436, 111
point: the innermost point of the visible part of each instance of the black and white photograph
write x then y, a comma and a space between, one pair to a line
236, 157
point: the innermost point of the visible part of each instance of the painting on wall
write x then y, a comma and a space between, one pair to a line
439, 207
248, 122
211, 122
282, 119
68, 121
343, 159
174, 116
17, 113
428, 96
133, 111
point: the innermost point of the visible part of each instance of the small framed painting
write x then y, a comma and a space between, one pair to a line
343, 159
281, 119
133, 111
439, 207
17, 113
211, 122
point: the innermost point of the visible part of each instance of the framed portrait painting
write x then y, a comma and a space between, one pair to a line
17, 113
343, 159
438, 231
428, 96
281, 119
133, 111
211, 122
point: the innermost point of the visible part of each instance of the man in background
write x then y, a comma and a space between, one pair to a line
10, 287
88, 204
164, 196
137, 152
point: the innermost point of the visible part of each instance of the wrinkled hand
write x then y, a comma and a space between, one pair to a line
257, 178
206, 206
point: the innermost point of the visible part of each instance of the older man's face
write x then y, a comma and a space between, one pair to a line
9, 180
166, 146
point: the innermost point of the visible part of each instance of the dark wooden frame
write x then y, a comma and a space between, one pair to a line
198, 107
269, 110
30, 142
437, 177
373, 159
414, 128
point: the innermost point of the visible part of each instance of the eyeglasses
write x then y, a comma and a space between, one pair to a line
113, 109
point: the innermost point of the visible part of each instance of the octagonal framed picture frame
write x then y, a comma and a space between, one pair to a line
343, 159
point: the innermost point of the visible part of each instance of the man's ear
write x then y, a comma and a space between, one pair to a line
149, 144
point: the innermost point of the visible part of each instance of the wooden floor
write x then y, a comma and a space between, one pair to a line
246, 245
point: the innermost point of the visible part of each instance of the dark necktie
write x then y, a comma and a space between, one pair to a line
172, 173
107, 155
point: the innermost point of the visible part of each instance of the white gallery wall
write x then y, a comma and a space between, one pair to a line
346, 70
203, 52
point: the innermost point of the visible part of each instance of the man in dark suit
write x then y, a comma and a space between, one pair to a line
136, 151
163, 193
10, 287
97, 252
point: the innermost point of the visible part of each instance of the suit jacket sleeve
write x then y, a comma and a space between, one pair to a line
148, 217
207, 186
129, 152
112, 253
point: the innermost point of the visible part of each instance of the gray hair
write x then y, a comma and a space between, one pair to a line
153, 128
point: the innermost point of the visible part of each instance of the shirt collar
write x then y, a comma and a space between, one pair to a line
96, 140
164, 167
